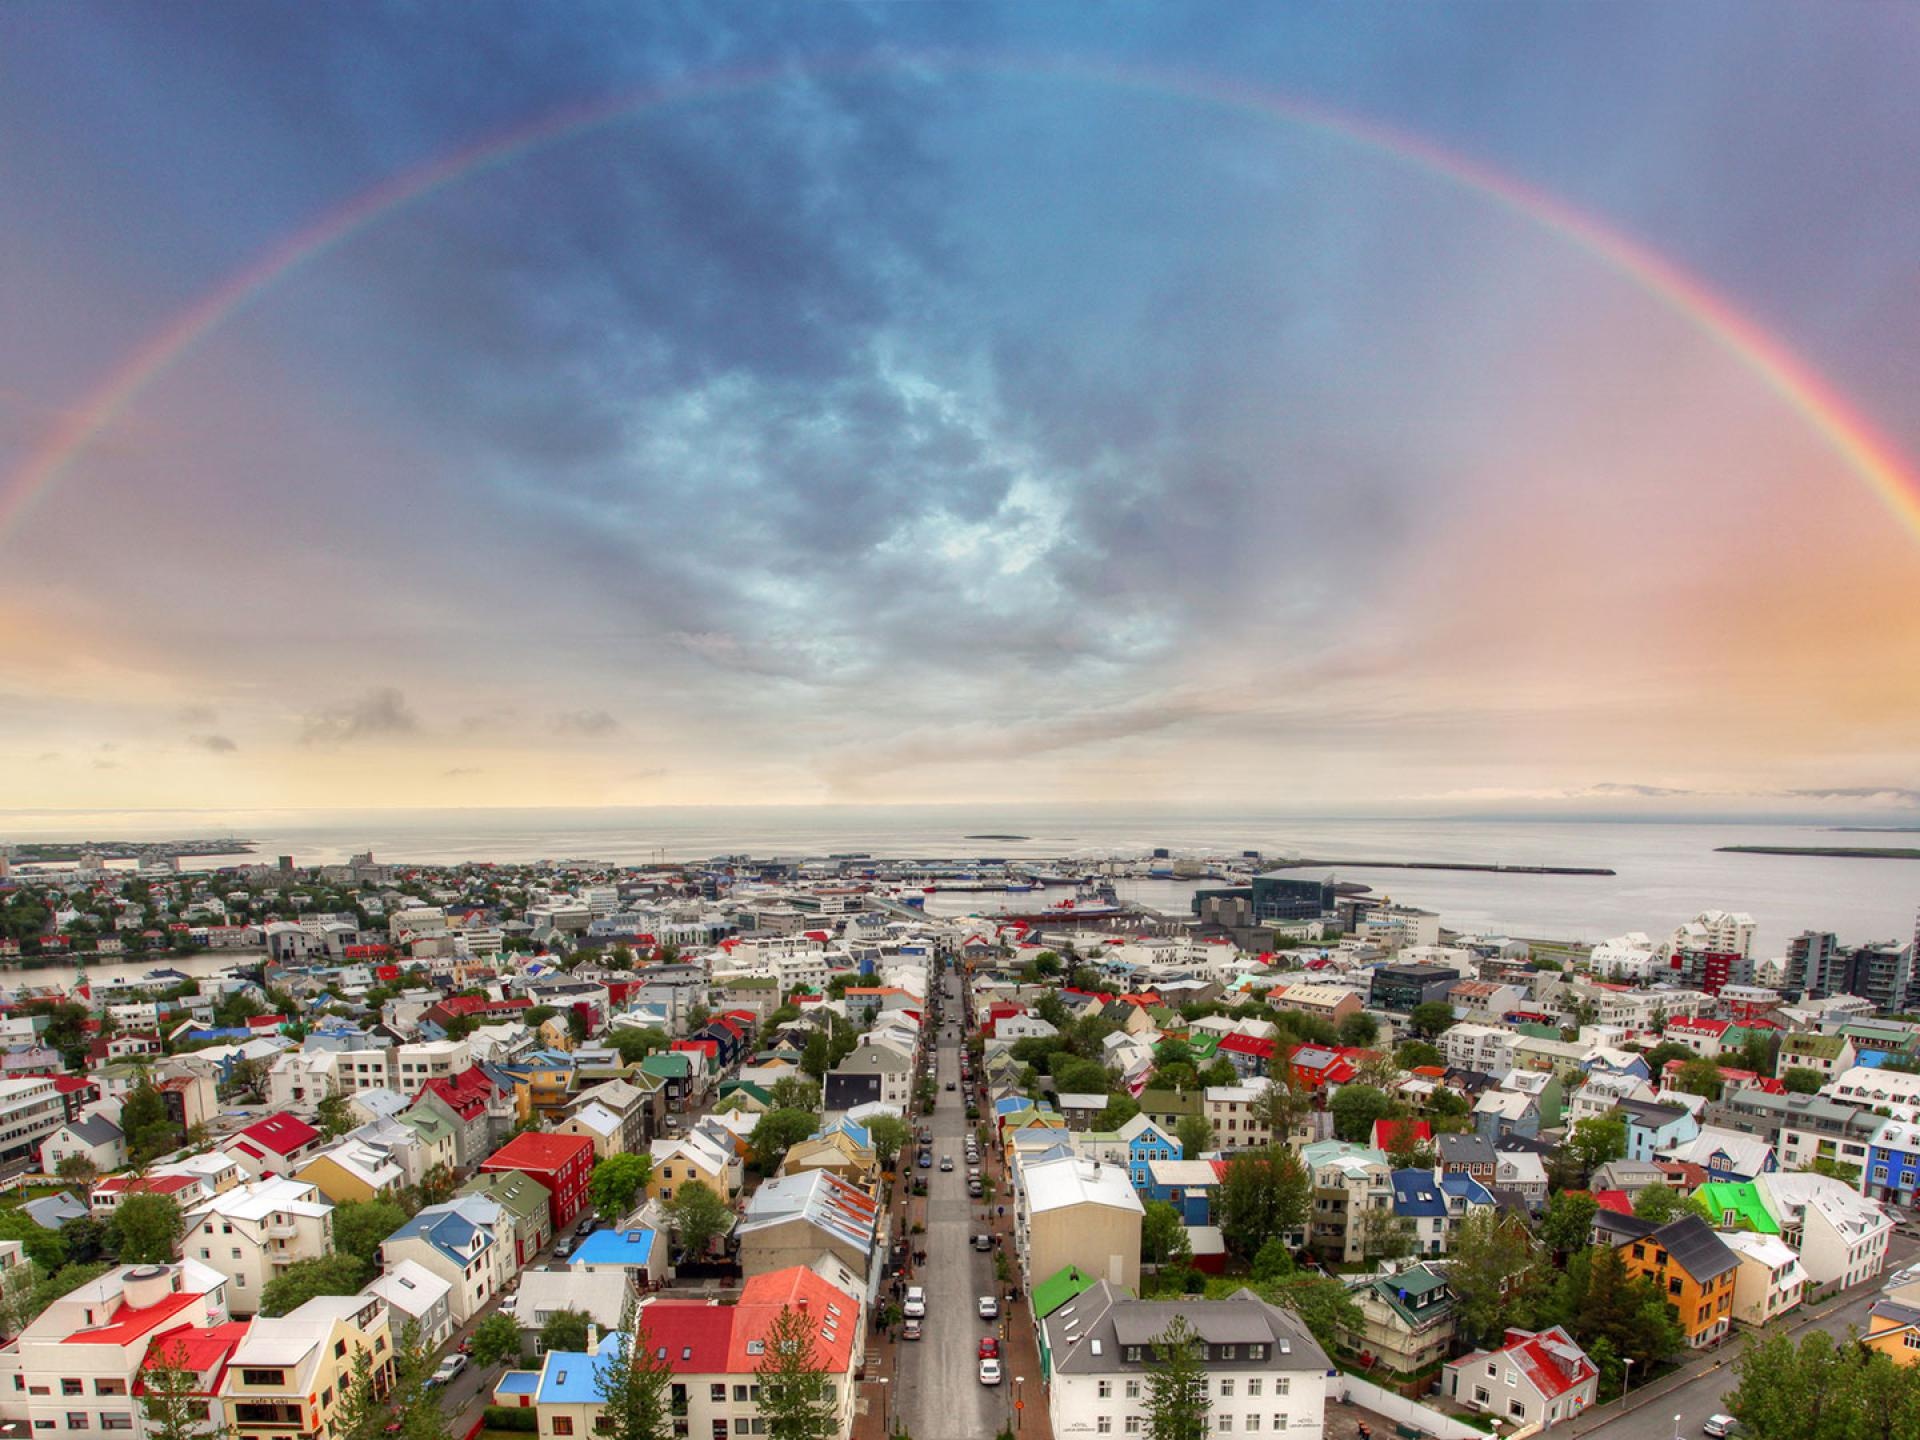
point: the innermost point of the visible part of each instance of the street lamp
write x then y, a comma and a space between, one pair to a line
1019, 1403
1676, 1427
886, 1416
1626, 1384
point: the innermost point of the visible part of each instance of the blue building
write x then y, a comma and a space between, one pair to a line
1147, 1142
1892, 1172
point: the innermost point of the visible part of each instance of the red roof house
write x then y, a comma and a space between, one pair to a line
271, 1146
1401, 1134
562, 1163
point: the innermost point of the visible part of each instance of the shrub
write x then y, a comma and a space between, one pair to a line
511, 1417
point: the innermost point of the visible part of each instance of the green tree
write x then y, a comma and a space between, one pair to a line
1355, 1108
1263, 1193
777, 1132
635, 1044
1220, 1072
1178, 1404
537, 1015
577, 1026
1568, 1223
617, 1184
634, 1380
699, 1218
1163, 1236
1660, 1204
1595, 1141
77, 1170
333, 1116
565, 1330
817, 1058
169, 1400
1411, 1054
790, 1092
796, 1393
1359, 1029
145, 1229
1195, 1134
1803, 1080
889, 1134
1430, 1018
1173, 1052
1273, 1261
1324, 1306
1494, 1272
45, 1248
1384, 1235
360, 1225
335, 1274
1700, 1076
496, 1339
1120, 1109
436, 1185
144, 1119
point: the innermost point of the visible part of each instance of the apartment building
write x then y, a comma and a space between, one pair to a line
1352, 1198
31, 1109
253, 1232
291, 1374
1487, 1049
1070, 1211
1238, 1116
1841, 1236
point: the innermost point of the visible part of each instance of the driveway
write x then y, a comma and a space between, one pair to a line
939, 1394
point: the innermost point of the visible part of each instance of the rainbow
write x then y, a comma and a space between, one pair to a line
1845, 431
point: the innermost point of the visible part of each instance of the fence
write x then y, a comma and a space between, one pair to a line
1404, 1411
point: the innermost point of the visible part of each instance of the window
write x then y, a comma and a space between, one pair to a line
1513, 1376
1226, 1389
717, 1394
1133, 1389
1253, 1422
1282, 1384
1223, 1424
70, 1387
1253, 1387
1673, 1285
739, 1393
1103, 1425
1481, 1395
1132, 1427
263, 1377
563, 1424
115, 1422
1133, 1352
1229, 1352
76, 1420
1104, 1390
1516, 1409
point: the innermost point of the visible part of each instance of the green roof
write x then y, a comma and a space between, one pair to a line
1058, 1288
1743, 1200
673, 1066
1168, 1102
1538, 1032
1827, 1047
1202, 1046
753, 1088
518, 1192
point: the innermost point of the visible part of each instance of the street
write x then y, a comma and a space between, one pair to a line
1703, 1393
940, 1396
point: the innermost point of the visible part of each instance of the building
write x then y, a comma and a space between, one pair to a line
1352, 1206
467, 1242
1486, 1049
525, 1200
892, 1068
1841, 1236
273, 1146
1406, 1320
792, 1219
292, 1373
253, 1232
1770, 1280
562, 1163
93, 1138
1401, 987
1536, 1378
1070, 1211
31, 1109
698, 1158
1265, 1373
1269, 897
1238, 1115
1695, 1271
1892, 1171
1801, 1128
420, 1298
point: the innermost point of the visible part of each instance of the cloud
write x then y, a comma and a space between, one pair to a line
106, 764
458, 770
213, 744
195, 715
585, 722
377, 714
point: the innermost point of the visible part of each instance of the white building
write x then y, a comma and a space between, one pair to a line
1842, 1237
1535, 1378
1485, 1048
416, 1294
1770, 1280
253, 1232
1265, 1374
1718, 932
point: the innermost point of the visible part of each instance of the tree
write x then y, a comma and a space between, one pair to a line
1661, 1204
634, 1379
1273, 1261
1430, 1018
1384, 1235
1803, 1080
1809, 1391
333, 1116
360, 1225
699, 1218
78, 1169
817, 1058
1359, 1028
537, 1015
889, 1134
1597, 1300
335, 1274
1120, 1109
1195, 1134
1262, 1194
565, 1330
796, 1393
170, 1401
1410, 1054
436, 1184
617, 1184
1493, 1272
1700, 1076
1281, 1107
1595, 1141
635, 1044
1163, 1235
495, 1339
1568, 1223
577, 1026
45, 1248
790, 1092
1173, 1052
1220, 1072
1178, 1403
1355, 1108
777, 1132
144, 1119
1324, 1306
145, 1229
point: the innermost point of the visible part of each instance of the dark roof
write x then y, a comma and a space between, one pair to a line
1089, 1333
1465, 1150
1648, 1115
1524, 1144
1694, 1246
1415, 1193
1612, 1227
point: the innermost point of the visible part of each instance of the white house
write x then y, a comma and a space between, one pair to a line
1841, 1236
419, 1296
1534, 1378
253, 1232
1770, 1280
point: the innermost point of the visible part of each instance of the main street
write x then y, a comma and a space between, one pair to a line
1702, 1392
940, 1396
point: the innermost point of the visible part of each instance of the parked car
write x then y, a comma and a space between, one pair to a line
926, 1161
910, 1330
914, 1307
563, 1249
1720, 1426
950, 1085
449, 1368
989, 1348
989, 1372
983, 1242
989, 1308
587, 1227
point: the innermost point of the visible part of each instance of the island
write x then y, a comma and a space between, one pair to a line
1832, 852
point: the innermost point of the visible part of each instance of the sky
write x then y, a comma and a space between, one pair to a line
818, 402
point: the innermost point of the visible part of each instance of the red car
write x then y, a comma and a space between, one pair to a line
989, 1348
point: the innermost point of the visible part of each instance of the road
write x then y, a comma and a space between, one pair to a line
939, 1394
1704, 1394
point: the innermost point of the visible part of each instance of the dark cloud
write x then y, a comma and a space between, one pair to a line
585, 722
214, 744
377, 714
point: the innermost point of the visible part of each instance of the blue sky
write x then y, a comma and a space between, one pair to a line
933, 415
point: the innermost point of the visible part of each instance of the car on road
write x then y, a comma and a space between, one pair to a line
1720, 1426
910, 1330
449, 1368
983, 1242
926, 1161
989, 1308
587, 1227
915, 1305
974, 1190
989, 1348
946, 1162
989, 1372
950, 1085
562, 1250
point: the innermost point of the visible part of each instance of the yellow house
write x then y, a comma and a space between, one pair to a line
693, 1159
1893, 1328
350, 1172
836, 1152
291, 1373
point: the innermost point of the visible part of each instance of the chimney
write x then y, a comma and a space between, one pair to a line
802, 1305
593, 1339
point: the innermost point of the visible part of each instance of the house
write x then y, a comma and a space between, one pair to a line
1165, 1109
1265, 1374
1187, 1185
639, 1254
601, 1297
1841, 1236
1535, 1378
1828, 1055
1421, 1207
714, 1352
1892, 1171
1352, 1204
253, 1232
697, 1157
1404, 1135
1470, 1155
871, 1072
419, 1297
844, 1148
1070, 1211
273, 1146
93, 1138
792, 1219
1694, 1269
1653, 1129
293, 1371
352, 1170
1406, 1320
561, 1163
467, 1242
1725, 1154
1770, 1280
1146, 1142
1499, 1113
1893, 1329
185, 1190
525, 1200
481, 1112
633, 1104
1486, 1049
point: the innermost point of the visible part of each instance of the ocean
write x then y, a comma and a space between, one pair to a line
1667, 872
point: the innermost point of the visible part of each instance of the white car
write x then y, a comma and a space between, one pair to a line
1720, 1426
915, 1305
449, 1367
989, 1372
989, 1308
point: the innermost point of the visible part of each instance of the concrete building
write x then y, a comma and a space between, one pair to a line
1070, 1211
293, 1371
793, 1219
1841, 1236
253, 1232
